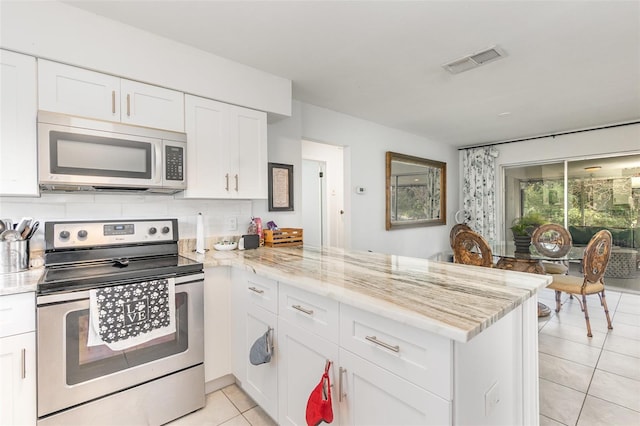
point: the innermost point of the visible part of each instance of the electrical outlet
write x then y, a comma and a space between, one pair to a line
231, 223
491, 399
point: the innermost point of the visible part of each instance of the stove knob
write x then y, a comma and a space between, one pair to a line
82, 233
166, 230
152, 230
64, 235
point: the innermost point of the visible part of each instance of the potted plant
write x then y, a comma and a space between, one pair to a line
522, 229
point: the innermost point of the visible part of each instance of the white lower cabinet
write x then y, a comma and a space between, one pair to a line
302, 357
18, 384
383, 372
372, 395
217, 327
17, 359
253, 313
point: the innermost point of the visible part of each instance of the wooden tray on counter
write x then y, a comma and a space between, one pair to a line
283, 237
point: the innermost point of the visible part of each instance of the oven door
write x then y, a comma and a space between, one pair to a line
70, 372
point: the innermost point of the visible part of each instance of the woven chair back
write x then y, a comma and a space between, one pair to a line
470, 248
596, 256
551, 240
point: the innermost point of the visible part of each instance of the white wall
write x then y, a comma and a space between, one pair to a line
367, 143
56, 31
589, 144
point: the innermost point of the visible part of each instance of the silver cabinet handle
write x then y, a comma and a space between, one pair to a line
113, 102
226, 188
24, 364
340, 393
256, 290
301, 309
128, 105
375, 340
236, 183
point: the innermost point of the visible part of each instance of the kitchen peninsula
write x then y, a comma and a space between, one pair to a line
411, 341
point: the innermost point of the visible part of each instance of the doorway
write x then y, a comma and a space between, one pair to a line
323, 210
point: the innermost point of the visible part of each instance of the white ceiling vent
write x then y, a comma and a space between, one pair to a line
474, 60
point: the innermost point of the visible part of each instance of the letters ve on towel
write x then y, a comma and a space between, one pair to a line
128, 315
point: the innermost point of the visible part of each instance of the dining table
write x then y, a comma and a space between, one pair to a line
532, 260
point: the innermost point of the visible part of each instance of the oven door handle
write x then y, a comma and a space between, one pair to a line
121, 262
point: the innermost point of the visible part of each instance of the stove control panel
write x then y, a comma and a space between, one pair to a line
93, 233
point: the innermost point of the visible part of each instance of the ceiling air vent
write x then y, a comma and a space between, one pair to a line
474, 60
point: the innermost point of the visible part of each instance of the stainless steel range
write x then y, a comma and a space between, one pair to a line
108, 287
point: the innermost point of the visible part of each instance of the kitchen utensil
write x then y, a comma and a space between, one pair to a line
2, 226
10, 235
24, 222
33, 230
8, 224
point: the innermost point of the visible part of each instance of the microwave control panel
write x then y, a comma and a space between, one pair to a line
174, 163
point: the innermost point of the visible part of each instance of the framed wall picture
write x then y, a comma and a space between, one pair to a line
280, 187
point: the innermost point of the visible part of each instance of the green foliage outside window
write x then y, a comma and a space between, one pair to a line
592, 202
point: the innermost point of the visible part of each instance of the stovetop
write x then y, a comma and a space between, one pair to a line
89, 254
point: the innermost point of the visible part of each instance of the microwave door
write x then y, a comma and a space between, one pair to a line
97, 158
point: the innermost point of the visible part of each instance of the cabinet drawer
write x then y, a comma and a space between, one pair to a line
311, 312
262, 292
413, 354
17, 314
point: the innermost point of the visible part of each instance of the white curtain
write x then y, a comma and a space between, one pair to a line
478, 189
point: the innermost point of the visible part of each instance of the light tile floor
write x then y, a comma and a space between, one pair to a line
590, 381
583, 381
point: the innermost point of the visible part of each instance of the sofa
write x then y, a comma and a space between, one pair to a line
624, 261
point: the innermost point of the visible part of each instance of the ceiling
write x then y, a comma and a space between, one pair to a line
569, 64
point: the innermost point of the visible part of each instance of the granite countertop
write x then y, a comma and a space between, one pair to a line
20, 282
455, 301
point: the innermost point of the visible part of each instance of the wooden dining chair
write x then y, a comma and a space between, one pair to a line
454, 231
554, 241
594, 263
470, 248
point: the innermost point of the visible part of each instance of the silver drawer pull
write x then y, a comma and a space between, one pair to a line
256, 290
374, 339
301, 309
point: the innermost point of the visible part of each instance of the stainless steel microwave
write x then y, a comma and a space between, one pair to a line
81, 154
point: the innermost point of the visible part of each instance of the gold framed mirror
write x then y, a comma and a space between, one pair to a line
416, 191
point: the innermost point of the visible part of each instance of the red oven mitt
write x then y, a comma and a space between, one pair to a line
319, 406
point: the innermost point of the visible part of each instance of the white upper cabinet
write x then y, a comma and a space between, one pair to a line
227, 150
151, 106
18, 141
77, 91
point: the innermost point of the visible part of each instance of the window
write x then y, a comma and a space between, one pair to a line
598, 192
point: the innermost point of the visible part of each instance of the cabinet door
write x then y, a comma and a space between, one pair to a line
18, 384
374, 396
207, 148
76, 91
261, 380
151, 106
301, 362
217, 323
249, 131
18, 142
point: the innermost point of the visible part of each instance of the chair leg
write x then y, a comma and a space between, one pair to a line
586, 315
558, 305
603, 302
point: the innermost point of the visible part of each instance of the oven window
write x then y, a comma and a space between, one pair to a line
86, 363
88, 155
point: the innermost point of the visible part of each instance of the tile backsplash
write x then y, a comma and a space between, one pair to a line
54, 207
